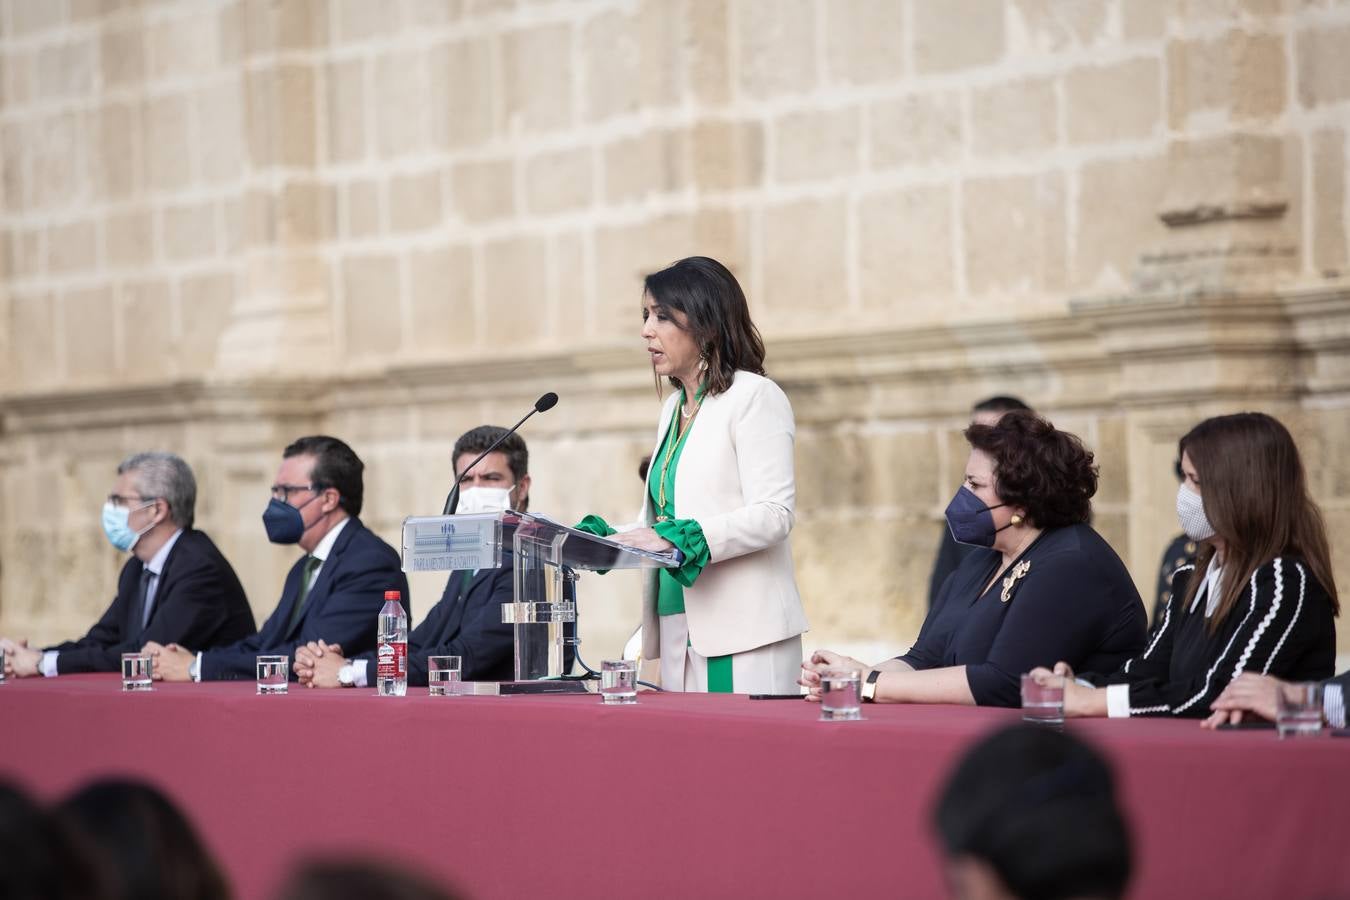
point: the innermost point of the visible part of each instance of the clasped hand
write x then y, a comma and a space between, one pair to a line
172, 662
21, 661
317, 664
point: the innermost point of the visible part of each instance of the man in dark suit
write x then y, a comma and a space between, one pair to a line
1259, 694
177, 587
467, 622
335, 590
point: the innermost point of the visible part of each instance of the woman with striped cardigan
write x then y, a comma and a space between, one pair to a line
1260, 596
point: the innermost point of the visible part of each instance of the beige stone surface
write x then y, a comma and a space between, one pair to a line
1329, 165
1323, 65
865, 41
1113, 103
952, 35
224, 225
809, 144
558, 182
905, 256
1016, 234
1015, 117
483, 191
916, 130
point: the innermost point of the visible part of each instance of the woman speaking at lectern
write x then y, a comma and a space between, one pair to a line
720, 489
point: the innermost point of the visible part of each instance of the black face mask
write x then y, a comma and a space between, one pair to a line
283, 522
970, 521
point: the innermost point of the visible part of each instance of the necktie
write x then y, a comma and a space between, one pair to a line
306, 582
138, 612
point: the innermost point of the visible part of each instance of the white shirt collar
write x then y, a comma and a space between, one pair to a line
156, 563
1209, 587
326, 545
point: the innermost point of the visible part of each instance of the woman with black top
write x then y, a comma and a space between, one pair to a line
1260, 596
1044, 586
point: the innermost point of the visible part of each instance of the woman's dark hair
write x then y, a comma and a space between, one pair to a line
1039, 807
1047, 472
999, 403
335, 466
717, 317
148, 849
1256, 496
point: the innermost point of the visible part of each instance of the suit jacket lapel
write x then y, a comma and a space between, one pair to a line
167, 576
318, 591
455, 619
290, 592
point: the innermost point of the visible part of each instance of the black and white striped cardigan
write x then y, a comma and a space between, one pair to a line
1282, 625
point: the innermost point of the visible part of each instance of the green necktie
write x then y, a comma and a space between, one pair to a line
306, 582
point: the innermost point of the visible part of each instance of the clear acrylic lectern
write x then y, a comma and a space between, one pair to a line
543, 554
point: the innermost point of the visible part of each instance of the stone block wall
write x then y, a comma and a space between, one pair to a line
226, 223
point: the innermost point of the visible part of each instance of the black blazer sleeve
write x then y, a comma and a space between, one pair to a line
198, 602
1343, 680
88, 654
1274, 619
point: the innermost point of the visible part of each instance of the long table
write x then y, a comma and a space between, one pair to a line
677, 796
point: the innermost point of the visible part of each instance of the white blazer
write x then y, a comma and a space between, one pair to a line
736, 479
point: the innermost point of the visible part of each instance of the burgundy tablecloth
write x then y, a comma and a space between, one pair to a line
678, 796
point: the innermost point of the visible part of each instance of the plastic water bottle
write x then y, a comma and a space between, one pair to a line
391, 645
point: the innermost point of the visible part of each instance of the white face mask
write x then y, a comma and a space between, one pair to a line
1191, 515
484, 500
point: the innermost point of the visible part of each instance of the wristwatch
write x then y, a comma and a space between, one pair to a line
869, 686
346, 677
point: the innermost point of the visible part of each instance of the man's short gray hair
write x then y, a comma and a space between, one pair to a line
166, 477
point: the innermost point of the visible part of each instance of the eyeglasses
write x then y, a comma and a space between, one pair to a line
283, 492
119, 500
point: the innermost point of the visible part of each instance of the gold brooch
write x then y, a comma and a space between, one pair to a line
1018, 572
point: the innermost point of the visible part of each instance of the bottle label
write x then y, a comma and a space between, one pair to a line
392, 660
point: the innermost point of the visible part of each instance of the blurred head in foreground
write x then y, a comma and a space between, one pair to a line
39, 858
1029, 813
360, 880
145, 847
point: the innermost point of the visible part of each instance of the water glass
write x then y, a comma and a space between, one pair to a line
1043, 704
443, 674
839, 699
273, 674
138, 670
618, 681
1298, 711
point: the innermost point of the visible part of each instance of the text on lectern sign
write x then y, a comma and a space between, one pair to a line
446, 543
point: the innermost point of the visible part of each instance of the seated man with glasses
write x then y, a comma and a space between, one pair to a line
467, 622
176, 587
334, 591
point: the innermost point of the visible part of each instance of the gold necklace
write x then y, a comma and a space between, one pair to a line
670, 450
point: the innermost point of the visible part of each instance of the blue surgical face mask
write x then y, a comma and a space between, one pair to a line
970, 520
115, 525
283, 522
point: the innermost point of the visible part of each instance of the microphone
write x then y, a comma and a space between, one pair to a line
543, 404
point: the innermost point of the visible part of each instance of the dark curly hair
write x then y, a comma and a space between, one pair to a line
1047, 472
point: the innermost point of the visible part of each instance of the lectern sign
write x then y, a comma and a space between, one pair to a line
446, 543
